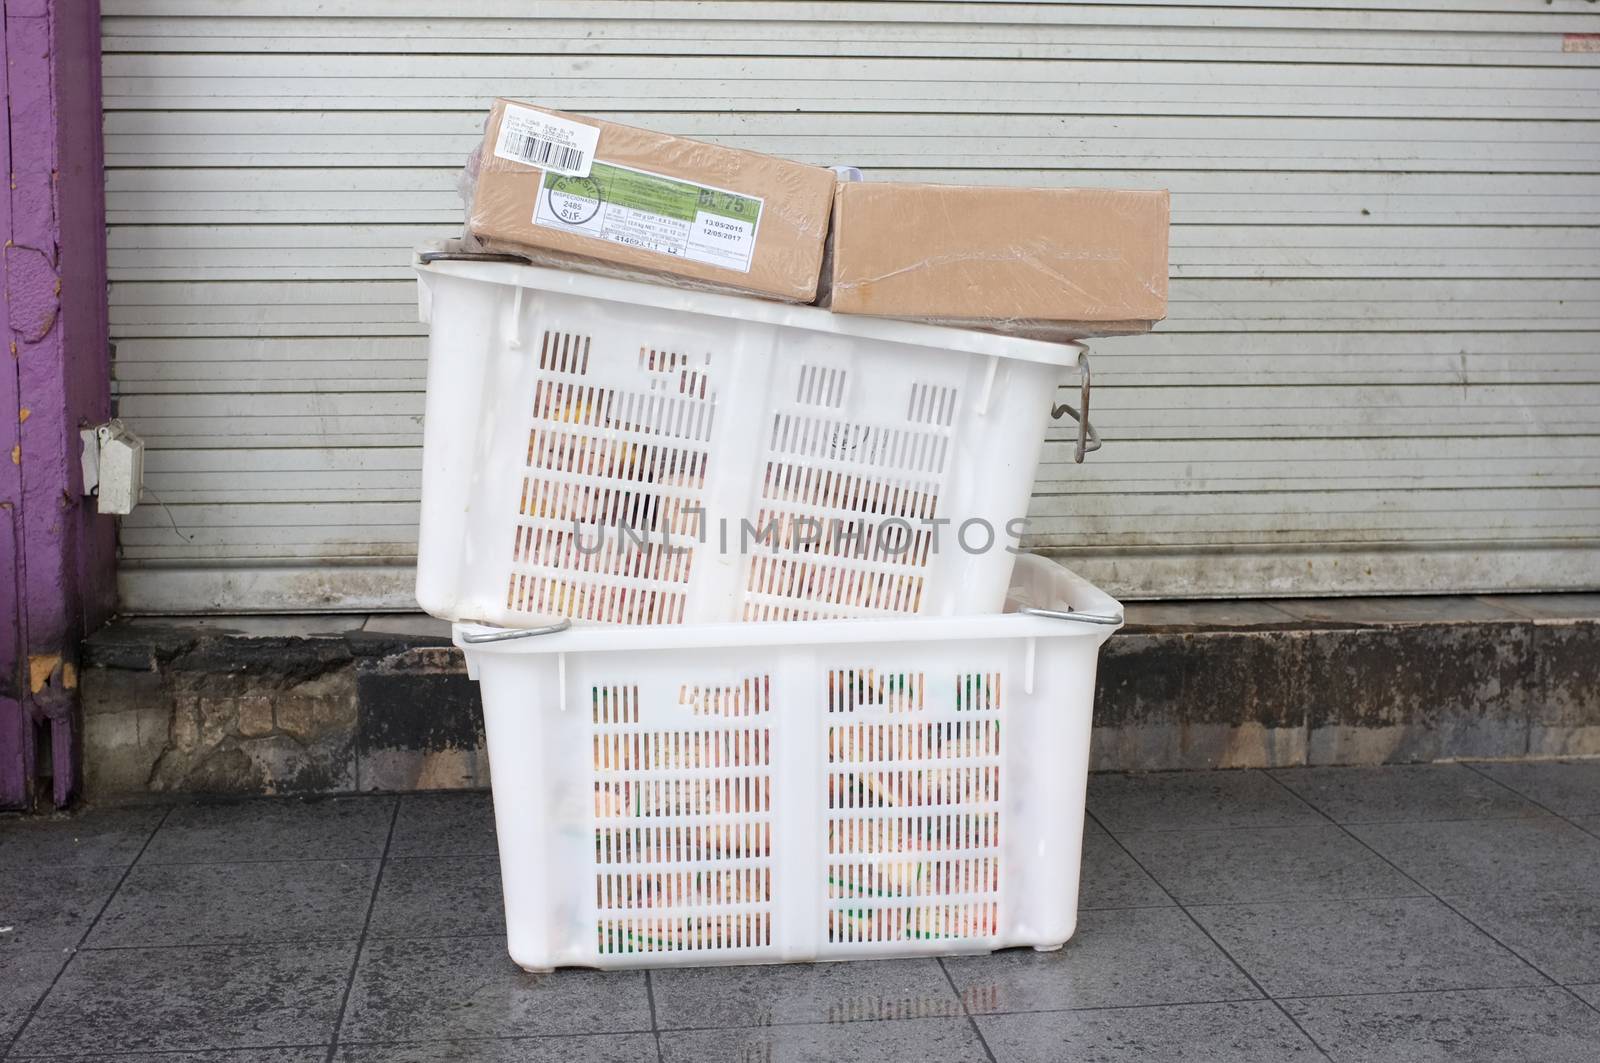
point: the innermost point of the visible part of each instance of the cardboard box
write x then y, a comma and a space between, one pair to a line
1049, 262
635, 200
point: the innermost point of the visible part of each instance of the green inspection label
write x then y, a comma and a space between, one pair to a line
653, 212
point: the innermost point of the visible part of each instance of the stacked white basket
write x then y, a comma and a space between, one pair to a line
903, 773
561, 405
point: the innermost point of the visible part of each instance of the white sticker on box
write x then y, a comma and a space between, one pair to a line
543, 140
653, 212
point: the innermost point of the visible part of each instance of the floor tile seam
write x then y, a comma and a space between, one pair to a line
1445, 898
1358, 897
1265, 772
287, 942
1486, 933
1450, 907
1290, 998
263, 943
306, 799
489, 1038
1316, 1045
135, 1054
1544, 987
1536, 894
1123, 907
1247, 826
1146, 1006
665, 1031
1592, 1005
443, 792
1508, 788
33, 1011
956, 1012
1261, 990
355, 957
961, 1003
1200, 830
140, 1053
1542, 814
1276, 772
261, 860
72, 865
1136, 863
371, 858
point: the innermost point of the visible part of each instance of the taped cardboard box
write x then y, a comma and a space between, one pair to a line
1043, 262
624, 200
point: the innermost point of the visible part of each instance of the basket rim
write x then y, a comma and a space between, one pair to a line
1069, 590
752, 309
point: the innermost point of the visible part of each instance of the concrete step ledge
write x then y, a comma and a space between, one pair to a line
345, 704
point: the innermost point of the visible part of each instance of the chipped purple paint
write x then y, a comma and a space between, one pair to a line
31, 285
15, 768
59, 552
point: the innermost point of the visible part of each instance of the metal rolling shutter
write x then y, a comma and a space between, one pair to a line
1381, 371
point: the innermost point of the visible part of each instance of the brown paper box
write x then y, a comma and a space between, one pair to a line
583, 219
1034, 261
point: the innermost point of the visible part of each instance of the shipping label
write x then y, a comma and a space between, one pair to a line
652, 212
543, 140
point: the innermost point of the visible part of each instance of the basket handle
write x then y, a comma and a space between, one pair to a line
1088, 438
1098, 619
508, 634
427, 258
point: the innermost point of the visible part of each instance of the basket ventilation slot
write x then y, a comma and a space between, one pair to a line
561, 352
841, 526
609, 516
914, 846
749, 698
683, 819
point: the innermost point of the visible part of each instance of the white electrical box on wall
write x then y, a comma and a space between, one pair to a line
113, 467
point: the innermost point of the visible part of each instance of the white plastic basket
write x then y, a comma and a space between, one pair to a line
754, 793
562, 405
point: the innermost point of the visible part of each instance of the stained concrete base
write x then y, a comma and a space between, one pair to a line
347, 704
1350, 681
290, 705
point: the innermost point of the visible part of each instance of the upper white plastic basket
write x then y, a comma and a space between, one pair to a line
610, 451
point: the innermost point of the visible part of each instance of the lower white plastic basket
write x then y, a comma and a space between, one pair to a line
754, 793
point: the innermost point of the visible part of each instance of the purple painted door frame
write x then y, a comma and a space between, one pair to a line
57, 556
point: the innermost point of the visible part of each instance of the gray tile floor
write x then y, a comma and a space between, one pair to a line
1441, 912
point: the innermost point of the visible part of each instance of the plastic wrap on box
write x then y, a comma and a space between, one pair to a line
577, 192
1045, 263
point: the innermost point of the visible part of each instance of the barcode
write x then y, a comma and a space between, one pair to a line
536, 151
